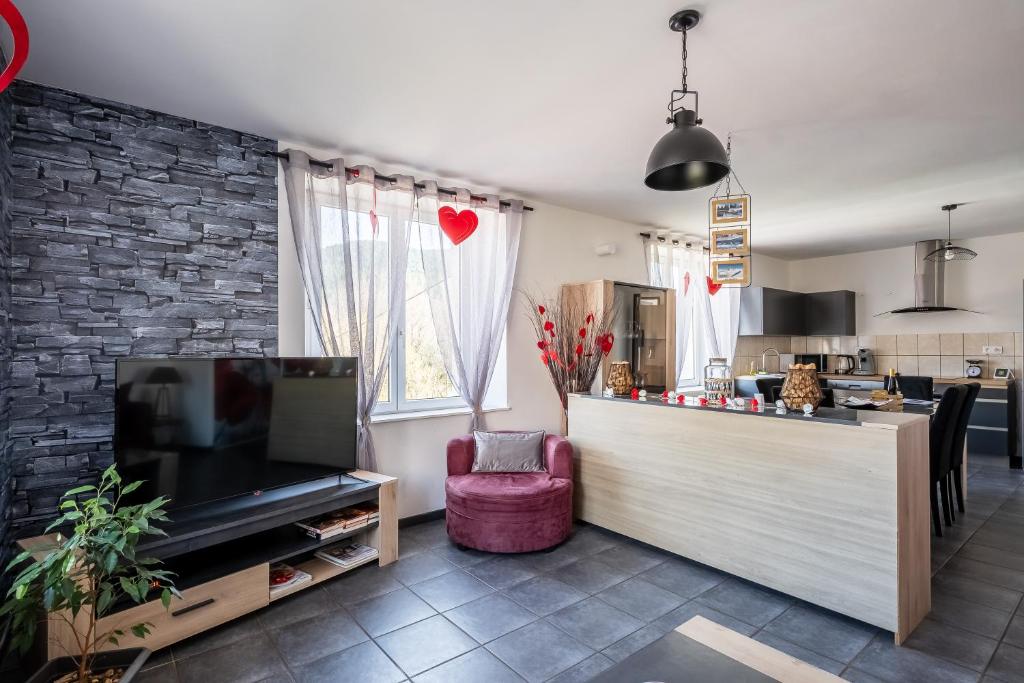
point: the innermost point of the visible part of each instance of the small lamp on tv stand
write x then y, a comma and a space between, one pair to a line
163, 375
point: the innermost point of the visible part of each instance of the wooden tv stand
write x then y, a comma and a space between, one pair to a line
224, 580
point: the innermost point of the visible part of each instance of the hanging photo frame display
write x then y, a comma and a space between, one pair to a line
730, 210
729, 235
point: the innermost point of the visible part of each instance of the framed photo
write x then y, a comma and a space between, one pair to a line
730, 272
730, 242
730, 210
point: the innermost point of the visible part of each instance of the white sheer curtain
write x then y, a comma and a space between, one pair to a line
352, 239
706, 324
469, 287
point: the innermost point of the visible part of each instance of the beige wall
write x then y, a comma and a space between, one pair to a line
557, 246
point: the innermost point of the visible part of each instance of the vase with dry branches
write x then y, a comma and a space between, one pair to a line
89, 573
573, 339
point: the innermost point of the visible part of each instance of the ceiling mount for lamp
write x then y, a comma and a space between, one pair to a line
949, 252
688, 156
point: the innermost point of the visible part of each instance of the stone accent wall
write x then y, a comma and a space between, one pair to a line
5, 327
135, 233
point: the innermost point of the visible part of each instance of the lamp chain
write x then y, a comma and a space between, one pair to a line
728, 176
684, 31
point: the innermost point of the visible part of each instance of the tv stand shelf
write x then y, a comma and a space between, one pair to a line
225, 573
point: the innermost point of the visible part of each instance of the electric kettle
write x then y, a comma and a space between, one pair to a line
844, 365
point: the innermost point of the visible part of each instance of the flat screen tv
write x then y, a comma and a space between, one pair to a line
199, 430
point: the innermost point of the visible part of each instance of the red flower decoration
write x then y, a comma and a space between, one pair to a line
583, 333
635, 394
579, 349
541, 310
542, 345
552, 332
590, 318
548, 325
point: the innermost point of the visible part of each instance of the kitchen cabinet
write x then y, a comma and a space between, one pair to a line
830, 313
769, 311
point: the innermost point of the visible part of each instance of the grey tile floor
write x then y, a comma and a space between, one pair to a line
440, 614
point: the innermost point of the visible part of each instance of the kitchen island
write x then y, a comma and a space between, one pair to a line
831, 508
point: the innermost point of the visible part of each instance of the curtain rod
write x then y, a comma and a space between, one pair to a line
662, 238
391, 179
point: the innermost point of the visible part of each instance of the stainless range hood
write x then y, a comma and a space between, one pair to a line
929, 282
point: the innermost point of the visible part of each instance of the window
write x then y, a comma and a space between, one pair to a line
416, 379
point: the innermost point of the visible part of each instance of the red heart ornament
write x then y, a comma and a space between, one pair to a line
713, 287
19, 31
457, 225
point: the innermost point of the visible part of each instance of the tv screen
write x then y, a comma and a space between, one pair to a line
198, 430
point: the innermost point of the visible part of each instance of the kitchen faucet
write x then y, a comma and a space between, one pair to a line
764, 358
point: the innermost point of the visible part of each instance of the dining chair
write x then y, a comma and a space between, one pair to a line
913, 386
960, 442
942, 431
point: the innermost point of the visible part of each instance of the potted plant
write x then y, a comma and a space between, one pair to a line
85, 577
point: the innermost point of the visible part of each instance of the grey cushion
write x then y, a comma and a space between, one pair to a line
508, 452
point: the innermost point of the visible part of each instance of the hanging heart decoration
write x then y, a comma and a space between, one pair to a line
713, 287
457, 225
19, 31
686, 283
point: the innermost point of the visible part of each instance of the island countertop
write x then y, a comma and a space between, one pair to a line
843, 416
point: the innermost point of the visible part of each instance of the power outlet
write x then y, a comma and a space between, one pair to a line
992, 350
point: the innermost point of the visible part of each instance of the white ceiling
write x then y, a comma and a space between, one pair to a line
853, 121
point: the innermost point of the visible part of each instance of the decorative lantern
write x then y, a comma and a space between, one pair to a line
620, 377
802, 387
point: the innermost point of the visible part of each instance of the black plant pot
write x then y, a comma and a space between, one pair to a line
130, 660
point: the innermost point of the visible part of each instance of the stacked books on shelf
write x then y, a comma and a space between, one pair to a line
347, 555
340, 521
283, 577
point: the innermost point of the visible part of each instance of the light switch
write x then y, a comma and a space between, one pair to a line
992, 350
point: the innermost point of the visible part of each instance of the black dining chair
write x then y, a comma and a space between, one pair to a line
960, 442
766, 384
941, 434
913, 386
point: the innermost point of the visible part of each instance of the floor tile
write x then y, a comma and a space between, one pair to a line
551, 560
246, 661
165, 673
476, 666
883, 659
543, 595
641, 599
466, 557
631, 558
684, 578
155, 659
831, 635
490, 617
745, 601
388, 612
801, 653
681, 615
425, 644
450, 590
858, 676
985, 621
420, 567
231, 632
362, 584
948, 642
595, 623
996, 556
989, 573
636, 641
428, 534
1007, 664
976, 591
590, 575
539, 651
585, 670
1015, 633
588, 541
302, 605
503, 571
317, 637
365, 663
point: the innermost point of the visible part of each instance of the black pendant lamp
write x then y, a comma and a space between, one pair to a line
949, 252
688, 156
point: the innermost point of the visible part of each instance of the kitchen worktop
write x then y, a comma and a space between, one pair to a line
983, 381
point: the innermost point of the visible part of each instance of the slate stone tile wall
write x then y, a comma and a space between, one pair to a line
5, 309
134, 233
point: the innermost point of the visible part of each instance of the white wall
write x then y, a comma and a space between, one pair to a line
767, 271
884, 280
557, 246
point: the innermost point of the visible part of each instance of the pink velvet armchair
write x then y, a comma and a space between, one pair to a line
509, 512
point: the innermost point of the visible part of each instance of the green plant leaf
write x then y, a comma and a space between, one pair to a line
165, 598
79, 489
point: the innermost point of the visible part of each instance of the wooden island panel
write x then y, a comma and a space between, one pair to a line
834, 514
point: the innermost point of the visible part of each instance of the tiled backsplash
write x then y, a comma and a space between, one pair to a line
938, 355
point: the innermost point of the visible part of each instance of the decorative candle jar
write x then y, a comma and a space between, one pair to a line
718, 382
620, 377
802, 387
